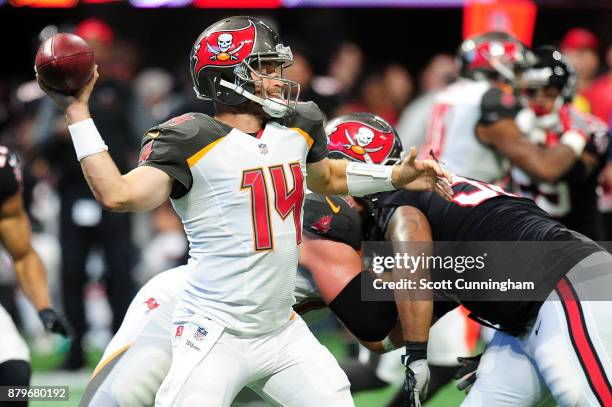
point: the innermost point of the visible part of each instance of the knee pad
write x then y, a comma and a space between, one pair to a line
140, 377
367, 320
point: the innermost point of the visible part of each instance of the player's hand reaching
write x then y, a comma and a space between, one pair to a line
423, 175
53, 322
78, 98
467, 372
417, 377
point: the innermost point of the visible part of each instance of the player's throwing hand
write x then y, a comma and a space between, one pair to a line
79, 97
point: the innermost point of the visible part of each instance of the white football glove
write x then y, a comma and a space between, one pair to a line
416, 382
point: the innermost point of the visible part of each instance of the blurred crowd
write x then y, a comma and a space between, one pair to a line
97, 260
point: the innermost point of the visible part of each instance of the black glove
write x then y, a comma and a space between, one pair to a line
417, 373
467, 372
53, 322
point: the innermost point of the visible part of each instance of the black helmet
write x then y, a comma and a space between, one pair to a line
229, 52
363, 137
493, 55
552, 69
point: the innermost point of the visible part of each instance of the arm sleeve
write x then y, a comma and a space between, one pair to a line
162, 148
496, 105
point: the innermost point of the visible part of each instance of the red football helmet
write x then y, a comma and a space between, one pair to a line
494, 55
226, 62
363, 137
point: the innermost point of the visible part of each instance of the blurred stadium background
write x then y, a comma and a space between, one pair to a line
372, 55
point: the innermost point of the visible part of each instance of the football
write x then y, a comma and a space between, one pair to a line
65, 62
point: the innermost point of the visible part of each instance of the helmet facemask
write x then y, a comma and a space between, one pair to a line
534, 88
249, 81
251, 75
552, 71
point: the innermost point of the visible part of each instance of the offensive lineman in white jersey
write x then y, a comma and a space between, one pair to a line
234, 324
472, 127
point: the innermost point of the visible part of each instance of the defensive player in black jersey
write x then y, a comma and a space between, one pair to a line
550, 87
328, 272
364, 137
559, 343
15, 237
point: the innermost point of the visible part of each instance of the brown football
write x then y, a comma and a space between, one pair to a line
65, 62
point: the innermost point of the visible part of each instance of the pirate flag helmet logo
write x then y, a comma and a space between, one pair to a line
363, 137
224, 48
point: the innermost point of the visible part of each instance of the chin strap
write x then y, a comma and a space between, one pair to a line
274, 108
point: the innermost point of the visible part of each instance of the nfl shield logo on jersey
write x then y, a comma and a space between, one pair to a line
200, 333
263, 148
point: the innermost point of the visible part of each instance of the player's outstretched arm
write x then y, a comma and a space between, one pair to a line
142, 189
543, 164
341, 177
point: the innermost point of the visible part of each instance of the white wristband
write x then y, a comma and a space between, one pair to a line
574, 140
86, 139
387, 345
364, 179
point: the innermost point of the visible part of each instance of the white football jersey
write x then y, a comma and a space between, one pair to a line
451, 133
240, 198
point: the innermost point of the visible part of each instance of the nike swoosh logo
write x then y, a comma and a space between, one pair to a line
334, 208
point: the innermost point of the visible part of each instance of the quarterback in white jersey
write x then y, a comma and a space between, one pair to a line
328, 280
237, 182
472, 127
